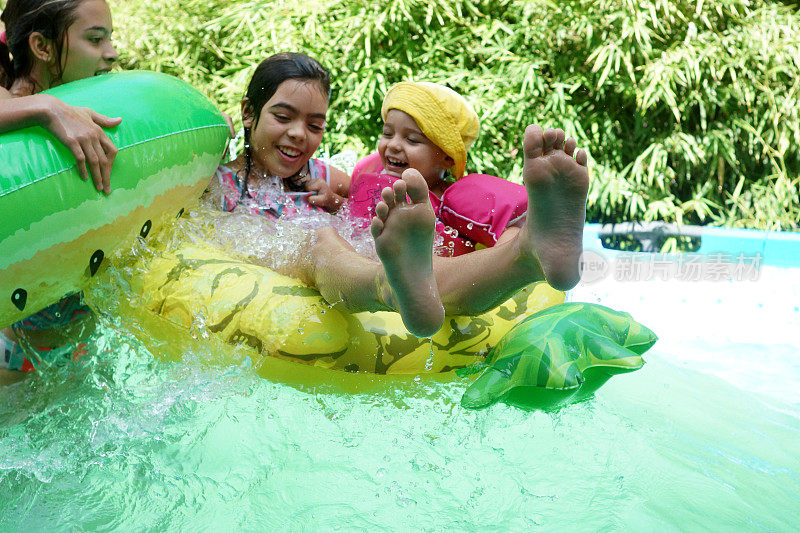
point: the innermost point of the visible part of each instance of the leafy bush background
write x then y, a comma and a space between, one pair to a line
689, 109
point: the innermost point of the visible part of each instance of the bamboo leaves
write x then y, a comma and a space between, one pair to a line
689, 109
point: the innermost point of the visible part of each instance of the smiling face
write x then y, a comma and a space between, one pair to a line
87, 43
403, 145
289, 128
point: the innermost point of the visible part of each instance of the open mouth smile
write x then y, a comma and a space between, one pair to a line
289, 152
396, 162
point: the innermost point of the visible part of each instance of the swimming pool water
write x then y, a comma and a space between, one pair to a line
705, 437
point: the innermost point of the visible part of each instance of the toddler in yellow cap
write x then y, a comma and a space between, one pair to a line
446, 119
429, 127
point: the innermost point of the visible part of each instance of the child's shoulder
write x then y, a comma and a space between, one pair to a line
319, 168
235, 165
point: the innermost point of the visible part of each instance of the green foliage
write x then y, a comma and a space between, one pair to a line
689, 109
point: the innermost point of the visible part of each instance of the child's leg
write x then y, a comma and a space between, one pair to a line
403, 234
410, 281
549, 244
403, 281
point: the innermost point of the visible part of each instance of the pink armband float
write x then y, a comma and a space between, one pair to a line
481, 207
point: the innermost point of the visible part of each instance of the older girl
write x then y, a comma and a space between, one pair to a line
283, 114
47, 43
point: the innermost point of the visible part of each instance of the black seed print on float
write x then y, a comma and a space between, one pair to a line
94, 262
145, 229
19, 298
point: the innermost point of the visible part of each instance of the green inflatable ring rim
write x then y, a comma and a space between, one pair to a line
170, 141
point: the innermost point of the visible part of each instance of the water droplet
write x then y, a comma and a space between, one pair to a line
470, 225
429, 362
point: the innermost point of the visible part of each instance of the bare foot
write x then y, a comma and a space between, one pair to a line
403, 235
557, 185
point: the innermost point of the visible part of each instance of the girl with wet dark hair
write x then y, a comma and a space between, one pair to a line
283, 114
47, 43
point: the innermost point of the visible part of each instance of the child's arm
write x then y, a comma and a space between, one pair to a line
340, 182
485, 209
79, 128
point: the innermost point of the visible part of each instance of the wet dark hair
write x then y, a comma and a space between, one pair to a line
21, 18
269, 74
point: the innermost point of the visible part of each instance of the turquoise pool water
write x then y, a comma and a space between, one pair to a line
705, 437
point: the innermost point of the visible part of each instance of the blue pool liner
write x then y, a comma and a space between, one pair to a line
775, 248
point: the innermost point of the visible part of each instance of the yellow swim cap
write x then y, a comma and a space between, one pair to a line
441, 113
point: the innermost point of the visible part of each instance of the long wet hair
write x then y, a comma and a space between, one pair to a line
269, 74
22, 18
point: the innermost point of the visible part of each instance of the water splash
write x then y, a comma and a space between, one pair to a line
127, 439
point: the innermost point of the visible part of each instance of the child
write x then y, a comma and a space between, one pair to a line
53, 42
429, 127
284, 134
283, 115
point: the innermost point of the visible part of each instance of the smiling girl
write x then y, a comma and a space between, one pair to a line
47, 43
283, 114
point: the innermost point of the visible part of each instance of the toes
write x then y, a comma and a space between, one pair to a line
382, 210
416, 186
376, 226
550, 137
559, 142
387, 195
581, 158
400, 189
569, 146
533, 141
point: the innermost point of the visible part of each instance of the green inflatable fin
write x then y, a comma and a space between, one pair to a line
562, 353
